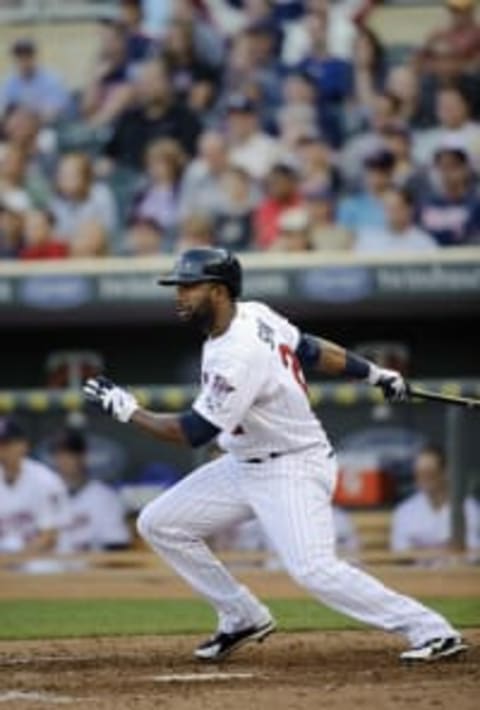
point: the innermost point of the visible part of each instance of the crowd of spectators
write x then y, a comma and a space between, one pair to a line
249, 124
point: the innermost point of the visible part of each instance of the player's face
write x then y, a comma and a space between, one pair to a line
12, 452
429, 474
70, 466
195, 304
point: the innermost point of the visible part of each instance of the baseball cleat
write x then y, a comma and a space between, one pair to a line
223, 643
435, 648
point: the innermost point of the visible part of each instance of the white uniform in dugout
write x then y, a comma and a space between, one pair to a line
280, 468
34, 502
97, 520
416, 524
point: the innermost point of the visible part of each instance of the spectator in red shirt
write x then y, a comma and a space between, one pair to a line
460, 39
39, 237
282, 194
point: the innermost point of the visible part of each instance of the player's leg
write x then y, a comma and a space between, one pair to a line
292, 502
176, 525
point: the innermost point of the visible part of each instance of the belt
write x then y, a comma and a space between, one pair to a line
272, 455
277, 454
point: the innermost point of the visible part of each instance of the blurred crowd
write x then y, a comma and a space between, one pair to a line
250, 124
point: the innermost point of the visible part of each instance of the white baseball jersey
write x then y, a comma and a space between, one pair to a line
253, 387
417, 524
34, 502
97, 520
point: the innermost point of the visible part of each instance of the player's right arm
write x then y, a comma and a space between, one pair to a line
188, 428
322, 355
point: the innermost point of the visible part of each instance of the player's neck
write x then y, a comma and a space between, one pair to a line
12, 471
438, 498
223, 318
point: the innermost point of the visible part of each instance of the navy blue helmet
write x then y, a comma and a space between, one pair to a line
206, 264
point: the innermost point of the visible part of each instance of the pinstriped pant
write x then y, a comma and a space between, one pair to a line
290, 496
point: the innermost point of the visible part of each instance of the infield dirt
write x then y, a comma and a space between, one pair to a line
339, 670
335, 670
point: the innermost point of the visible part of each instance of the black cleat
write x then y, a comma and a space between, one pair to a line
223, 643
435, 649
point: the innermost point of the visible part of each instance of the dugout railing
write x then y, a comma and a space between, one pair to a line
356, 416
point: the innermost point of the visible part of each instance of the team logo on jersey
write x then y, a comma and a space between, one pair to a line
219, 390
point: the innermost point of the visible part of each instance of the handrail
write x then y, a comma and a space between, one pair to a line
175, 397
250, 260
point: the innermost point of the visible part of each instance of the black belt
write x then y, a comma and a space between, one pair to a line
273, 455
277, 454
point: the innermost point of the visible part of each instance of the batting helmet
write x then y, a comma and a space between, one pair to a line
206, 264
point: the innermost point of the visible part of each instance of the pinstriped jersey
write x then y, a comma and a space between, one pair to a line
253, 387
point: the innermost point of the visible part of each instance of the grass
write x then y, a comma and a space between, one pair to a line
25, 619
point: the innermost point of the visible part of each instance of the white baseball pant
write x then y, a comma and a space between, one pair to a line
291, 497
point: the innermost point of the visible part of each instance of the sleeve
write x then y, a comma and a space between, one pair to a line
107, 209
399, 537
56, 94
231, 386
109, 522
346, 216
53, 510
472, 520
291, 335
287, 332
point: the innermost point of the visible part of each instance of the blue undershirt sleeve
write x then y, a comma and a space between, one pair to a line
308, 351
197, 429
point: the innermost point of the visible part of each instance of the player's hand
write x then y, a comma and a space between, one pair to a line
112, 399
391, 382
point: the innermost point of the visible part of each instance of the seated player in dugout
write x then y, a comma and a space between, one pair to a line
424, 519
279, 465
33, 499
97, 515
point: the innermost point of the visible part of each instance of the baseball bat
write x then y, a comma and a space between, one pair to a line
420, 393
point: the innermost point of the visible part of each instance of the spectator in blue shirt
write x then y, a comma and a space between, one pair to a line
32, 86
140, 46
366, 209
332, 76
451, 213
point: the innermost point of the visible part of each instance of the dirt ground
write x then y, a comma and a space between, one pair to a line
338, 670
348, 670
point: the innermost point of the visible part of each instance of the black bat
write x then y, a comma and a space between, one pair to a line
419, 393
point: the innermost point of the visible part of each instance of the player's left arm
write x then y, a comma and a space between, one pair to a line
187, 428
324, 356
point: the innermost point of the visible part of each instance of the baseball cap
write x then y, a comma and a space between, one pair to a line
264, 26
24, 45
240, 103
10, 430
69, 440
285, 166
456, 151
459, 4
380, 159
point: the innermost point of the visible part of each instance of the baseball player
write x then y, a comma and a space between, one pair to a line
423, 520
97, 516
33, 499
279, 466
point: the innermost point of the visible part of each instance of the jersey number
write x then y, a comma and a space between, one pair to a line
291, 362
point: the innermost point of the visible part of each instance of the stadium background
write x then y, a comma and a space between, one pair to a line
419, 313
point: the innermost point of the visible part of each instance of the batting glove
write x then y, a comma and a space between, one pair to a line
113, 400
391, 382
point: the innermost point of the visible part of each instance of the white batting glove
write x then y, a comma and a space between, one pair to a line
112, 399
391, 382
